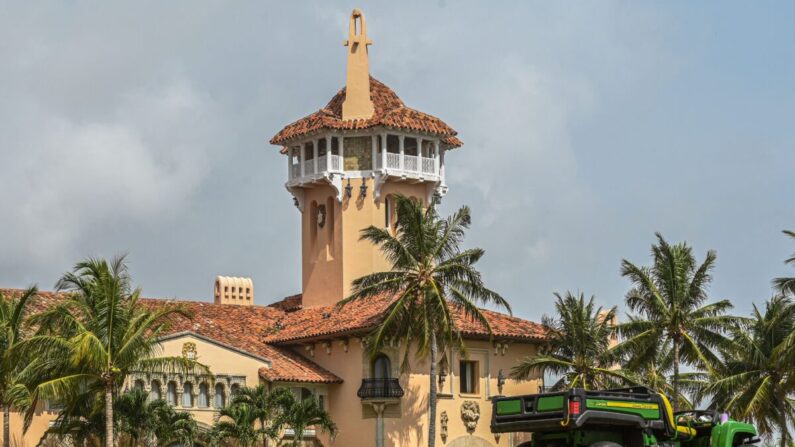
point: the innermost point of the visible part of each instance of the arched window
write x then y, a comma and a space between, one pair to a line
171, 393
389, 212
154, 393
220, 398
382, 367
138, 385
204, 395
234, 389
187, 395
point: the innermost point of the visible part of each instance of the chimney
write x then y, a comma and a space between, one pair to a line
357, 104
234, 290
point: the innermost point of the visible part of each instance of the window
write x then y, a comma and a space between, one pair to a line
234, 389
171, 393
220, 399
389, 212
154, 393
410, 146
469, 377
138, 385
381, 367
204, 396
358, 153
187, 395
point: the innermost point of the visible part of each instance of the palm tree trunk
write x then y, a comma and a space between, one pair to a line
6, 426
432, 398
675, 384
109, 414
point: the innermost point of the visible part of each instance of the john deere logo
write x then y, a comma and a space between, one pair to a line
613, 404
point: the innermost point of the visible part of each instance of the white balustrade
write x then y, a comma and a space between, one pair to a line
410, 163
392, 161
336, 162
428, 166
309, 167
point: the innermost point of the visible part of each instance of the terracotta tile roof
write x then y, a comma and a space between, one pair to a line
389, 112
240, 327
264, 331
319, 322
288, 304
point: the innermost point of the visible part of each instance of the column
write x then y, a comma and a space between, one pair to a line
436, 157
374, 140
314, 152
379, 424
383, 150
420, 155
342, 154
290, 163
401, 152
302, 160
328, 153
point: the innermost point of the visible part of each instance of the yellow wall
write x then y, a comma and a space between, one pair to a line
333, 256
406, 423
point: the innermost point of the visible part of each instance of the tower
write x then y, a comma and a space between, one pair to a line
346, 163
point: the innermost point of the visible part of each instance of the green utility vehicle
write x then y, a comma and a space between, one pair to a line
626, 417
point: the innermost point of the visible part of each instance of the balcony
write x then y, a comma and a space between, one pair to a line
380, 389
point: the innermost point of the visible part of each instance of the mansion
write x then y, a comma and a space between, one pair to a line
345, 164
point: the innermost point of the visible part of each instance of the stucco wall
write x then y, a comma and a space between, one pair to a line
406, 423
333, 256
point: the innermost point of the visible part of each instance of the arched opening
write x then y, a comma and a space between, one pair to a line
381, 367
187, 395
220, 398
313, 222
234, 389
138, 385
171, 393
154, 393
204, 395
330, 224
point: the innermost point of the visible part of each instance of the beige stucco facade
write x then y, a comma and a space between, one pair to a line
343, 181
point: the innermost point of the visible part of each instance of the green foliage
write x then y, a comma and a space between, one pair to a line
429, 275
786, 285
17, 372
756, 380
299, 414
670, 298
578, 347
258, 414
152, 423
97, 336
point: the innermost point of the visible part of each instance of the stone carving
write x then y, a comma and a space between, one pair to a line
189, 350
444, 419
470, 413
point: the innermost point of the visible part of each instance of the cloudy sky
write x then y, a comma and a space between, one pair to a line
142, 128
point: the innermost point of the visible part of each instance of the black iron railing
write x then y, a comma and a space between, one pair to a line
380, 389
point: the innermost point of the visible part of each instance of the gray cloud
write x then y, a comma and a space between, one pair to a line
143, 128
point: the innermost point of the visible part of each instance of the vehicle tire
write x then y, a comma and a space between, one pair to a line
605, 444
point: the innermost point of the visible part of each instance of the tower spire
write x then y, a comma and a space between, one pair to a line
357, 104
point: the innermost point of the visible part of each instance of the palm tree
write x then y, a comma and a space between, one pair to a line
266, 406
172, 427
670, 297
238, 423
787, 285
102, 332
429, 279
299, 414
756, 381
13, 366
578, 346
